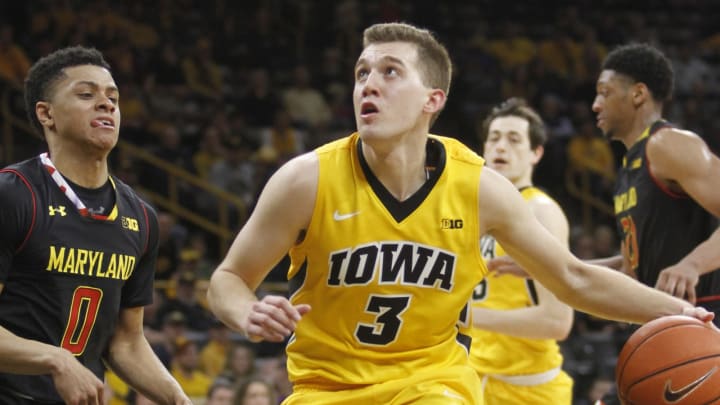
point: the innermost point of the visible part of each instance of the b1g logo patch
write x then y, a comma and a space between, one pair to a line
130, 223
447, 223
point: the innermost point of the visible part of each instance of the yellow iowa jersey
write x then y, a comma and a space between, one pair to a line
497, 353
387, 280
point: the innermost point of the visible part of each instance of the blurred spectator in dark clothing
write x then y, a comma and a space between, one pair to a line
261, 101
186, 302
168, 258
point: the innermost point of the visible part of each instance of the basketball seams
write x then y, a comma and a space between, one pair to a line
669, 348
647, 337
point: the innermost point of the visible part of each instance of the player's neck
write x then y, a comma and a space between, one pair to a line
641, 122
400, 169
84, 170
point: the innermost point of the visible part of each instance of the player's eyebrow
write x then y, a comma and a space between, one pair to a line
386, 58
94, 85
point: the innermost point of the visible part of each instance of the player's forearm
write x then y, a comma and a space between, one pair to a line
530, 323
614, 262
613, 295
25, 356
706, 256
134, 361
229, 298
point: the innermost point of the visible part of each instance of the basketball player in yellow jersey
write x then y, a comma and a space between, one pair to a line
517, 320
383, 232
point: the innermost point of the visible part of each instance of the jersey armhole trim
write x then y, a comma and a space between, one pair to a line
34, 210
147, 226
664, 188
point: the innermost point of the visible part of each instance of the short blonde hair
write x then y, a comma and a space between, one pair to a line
432, 58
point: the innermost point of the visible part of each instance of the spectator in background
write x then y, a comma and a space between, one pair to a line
306, 105
185, 369
14, 62
214, 354
591, 164
202, 74
255, 391
174, 326
240, 362
236, 172
261, 101
186, 301
220, 393
284, 139
169, 248
210, 151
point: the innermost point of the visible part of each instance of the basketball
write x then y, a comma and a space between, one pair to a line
670, 360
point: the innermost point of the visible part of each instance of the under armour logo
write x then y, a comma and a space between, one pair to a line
60, 209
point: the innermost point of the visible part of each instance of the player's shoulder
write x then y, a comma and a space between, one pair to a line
669, 135
456, 150
18, 175
671, 144
343, 144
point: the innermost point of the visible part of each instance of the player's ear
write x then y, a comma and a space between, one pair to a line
640, 94
538, 154
44, 114
435, 102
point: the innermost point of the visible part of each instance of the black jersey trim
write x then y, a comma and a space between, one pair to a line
434, 164
34, 204
464, 340
297, 281
532, 290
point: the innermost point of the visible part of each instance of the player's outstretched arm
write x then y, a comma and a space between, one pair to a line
593, 289
282, 213
133, 360
550, 318
683, 161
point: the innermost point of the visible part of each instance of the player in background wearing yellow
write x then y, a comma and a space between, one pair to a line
516, 320
383, 231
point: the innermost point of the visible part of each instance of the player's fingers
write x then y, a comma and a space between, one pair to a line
285, 306
269, 323
276, 310
699, 313
680, 289
303, 308
691, 296
664, 284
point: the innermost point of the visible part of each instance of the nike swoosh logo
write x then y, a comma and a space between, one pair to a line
341, 217
672, 396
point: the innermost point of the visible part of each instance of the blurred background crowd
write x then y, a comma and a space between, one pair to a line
215, 95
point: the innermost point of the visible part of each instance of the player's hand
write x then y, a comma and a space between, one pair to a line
701, 314
273, 318
679, 280
75, 383
505, 265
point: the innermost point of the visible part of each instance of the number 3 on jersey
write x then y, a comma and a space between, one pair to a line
386, 328
81, 319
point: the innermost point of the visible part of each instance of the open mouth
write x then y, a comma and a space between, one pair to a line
367, 109
103, 123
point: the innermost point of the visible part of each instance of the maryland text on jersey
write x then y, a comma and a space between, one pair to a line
92, 263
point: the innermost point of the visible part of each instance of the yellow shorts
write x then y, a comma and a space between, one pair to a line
558, 391
459, 385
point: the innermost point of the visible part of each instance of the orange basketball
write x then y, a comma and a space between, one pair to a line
670, 360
